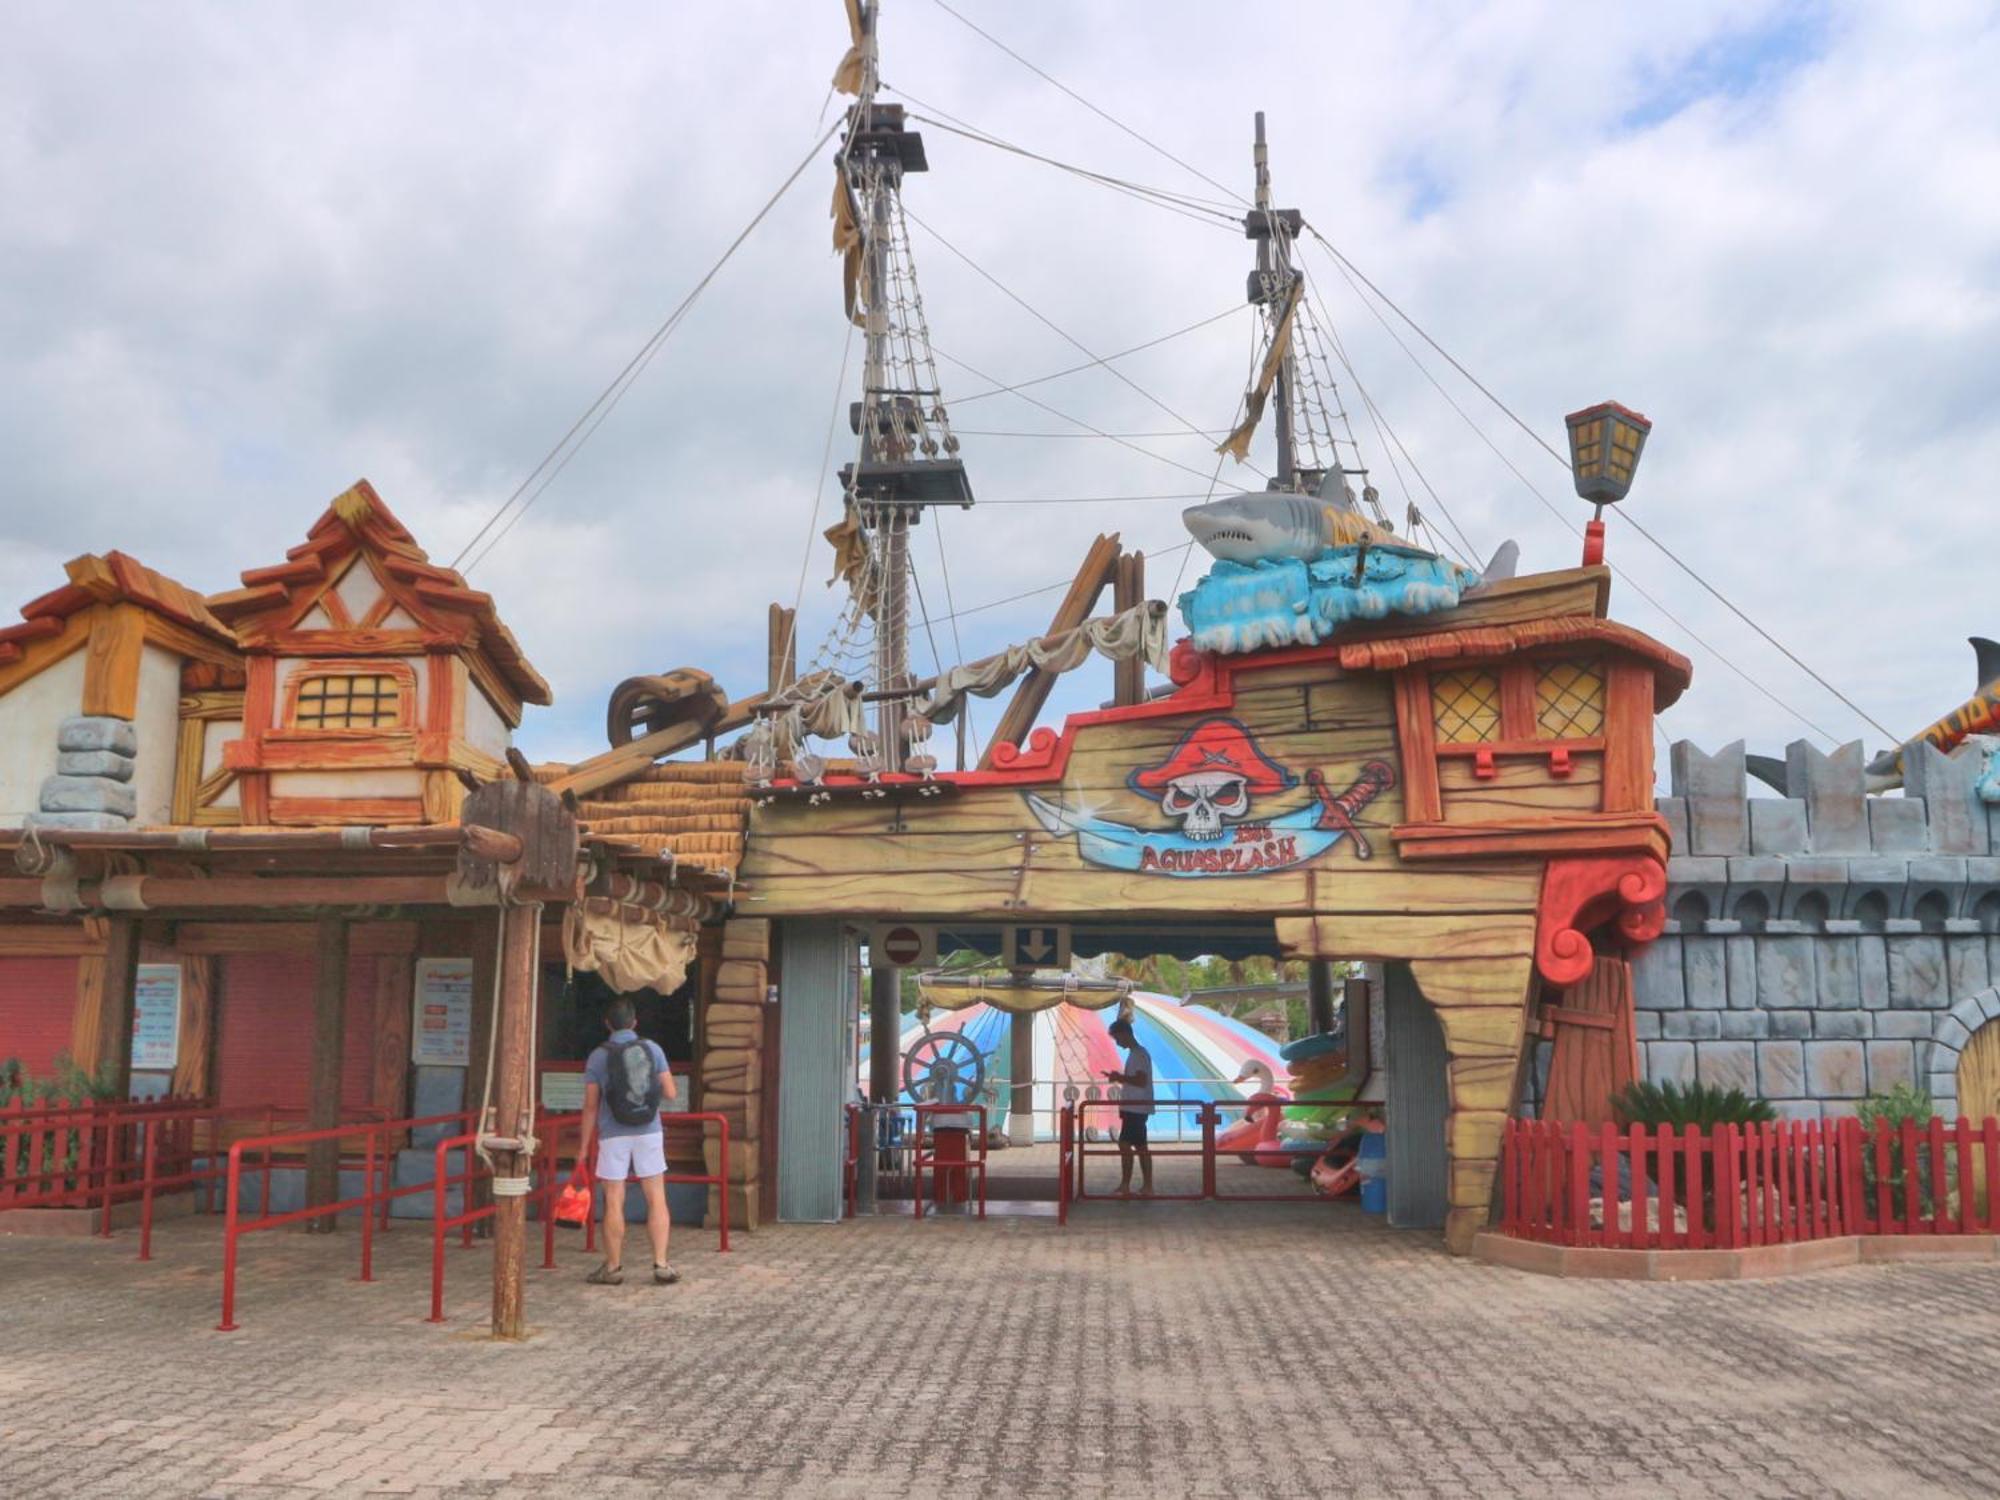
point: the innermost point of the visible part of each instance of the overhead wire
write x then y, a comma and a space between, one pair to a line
1060, 332
1232, 193
608, 399
1354, 272
1092, 364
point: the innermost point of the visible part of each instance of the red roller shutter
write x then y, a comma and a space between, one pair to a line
264, 1039
37, 1011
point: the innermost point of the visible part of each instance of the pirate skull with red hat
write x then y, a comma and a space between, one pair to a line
1211, 776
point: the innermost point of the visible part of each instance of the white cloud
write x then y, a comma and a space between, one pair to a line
267, 251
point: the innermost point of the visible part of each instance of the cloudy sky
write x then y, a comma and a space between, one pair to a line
251, 253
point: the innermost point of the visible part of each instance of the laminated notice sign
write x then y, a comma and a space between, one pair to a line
441, 1028
156, 1017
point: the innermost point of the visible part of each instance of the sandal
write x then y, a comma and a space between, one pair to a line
665, 1275
607, 1275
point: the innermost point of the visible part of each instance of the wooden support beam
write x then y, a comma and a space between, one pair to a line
513, 1112
781, 653
101, 1031
1021, 1068
160, 894
1098, 565
614, 766
323, 1083
1128, 591
193, 1068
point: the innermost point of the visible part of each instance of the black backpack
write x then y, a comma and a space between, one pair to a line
632, 1093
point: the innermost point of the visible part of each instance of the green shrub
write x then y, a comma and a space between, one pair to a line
1892, 1107
1699, 1104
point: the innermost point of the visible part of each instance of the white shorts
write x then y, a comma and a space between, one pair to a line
623, 1156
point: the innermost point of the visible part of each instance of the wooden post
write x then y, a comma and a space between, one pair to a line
513, 1111
101, 1029
1021, 1068
1099, 563
885, 1031
323, 1086
519, 840
1319, 998
1128, 591
781, 664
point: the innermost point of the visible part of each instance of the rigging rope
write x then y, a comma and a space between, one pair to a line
1063, 333
1188, 167
1008, 390
613, 393
1354, 272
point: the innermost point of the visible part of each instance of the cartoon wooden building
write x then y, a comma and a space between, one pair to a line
230, 836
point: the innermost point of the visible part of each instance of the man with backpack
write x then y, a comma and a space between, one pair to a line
625, 1082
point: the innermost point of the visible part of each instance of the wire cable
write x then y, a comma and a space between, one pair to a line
1061, 332
1354, 272
1092, 364
612, 394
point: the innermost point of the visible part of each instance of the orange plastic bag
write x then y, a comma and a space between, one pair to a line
573, 1202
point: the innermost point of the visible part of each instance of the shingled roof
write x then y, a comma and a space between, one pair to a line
274, 599
112, 578
695, 810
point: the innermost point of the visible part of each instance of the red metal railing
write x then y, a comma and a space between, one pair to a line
550, 1178
1739, 1186
1076, 1149
957, 1167
548, 1184
374, 1162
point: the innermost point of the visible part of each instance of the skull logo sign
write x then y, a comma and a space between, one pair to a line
1211, 777
1202, 799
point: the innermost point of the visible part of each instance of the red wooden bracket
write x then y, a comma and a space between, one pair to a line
1482, 764
1559, 761
1579, 895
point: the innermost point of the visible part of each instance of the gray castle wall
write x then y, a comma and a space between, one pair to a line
1824, 944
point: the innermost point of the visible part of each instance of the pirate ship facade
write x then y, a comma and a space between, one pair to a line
1363, 752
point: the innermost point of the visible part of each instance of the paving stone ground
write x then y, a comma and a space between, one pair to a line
1147, 1350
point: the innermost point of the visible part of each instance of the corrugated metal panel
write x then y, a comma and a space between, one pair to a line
263, 1050
1418, 1103
37, 1010
815, 1069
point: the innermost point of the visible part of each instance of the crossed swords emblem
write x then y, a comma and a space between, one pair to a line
1339, 812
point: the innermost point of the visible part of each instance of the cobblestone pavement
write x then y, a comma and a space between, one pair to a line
1148, 1350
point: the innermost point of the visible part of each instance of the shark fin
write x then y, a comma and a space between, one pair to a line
1987, 654
1506, 557
1333, 491
1767, 769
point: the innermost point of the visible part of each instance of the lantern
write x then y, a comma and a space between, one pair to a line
1605, 441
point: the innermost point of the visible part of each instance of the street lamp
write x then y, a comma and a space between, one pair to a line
1605, 442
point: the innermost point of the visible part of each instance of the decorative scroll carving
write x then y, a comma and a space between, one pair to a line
1580, 895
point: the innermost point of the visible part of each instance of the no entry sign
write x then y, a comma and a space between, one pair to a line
903, 944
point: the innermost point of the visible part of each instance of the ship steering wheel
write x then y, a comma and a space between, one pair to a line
942, 1067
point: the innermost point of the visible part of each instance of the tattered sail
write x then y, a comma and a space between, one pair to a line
1237, 444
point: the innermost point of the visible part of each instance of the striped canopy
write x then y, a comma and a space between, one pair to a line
1197, 1053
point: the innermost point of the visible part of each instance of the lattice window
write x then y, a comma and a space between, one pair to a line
1465, 706
1569, 700
349, 701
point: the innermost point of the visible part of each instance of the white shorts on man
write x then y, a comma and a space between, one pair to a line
620, 1157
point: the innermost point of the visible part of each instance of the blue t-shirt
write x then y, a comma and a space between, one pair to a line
598, 1071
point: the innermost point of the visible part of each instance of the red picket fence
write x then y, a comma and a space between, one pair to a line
80, 1155
1736, 1186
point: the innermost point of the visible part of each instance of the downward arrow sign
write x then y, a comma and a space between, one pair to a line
1039, 948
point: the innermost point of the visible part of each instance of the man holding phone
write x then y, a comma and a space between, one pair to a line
1135, 1108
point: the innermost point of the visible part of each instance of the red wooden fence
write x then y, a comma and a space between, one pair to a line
1655, 1188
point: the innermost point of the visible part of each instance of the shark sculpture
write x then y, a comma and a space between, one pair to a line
1253, 528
